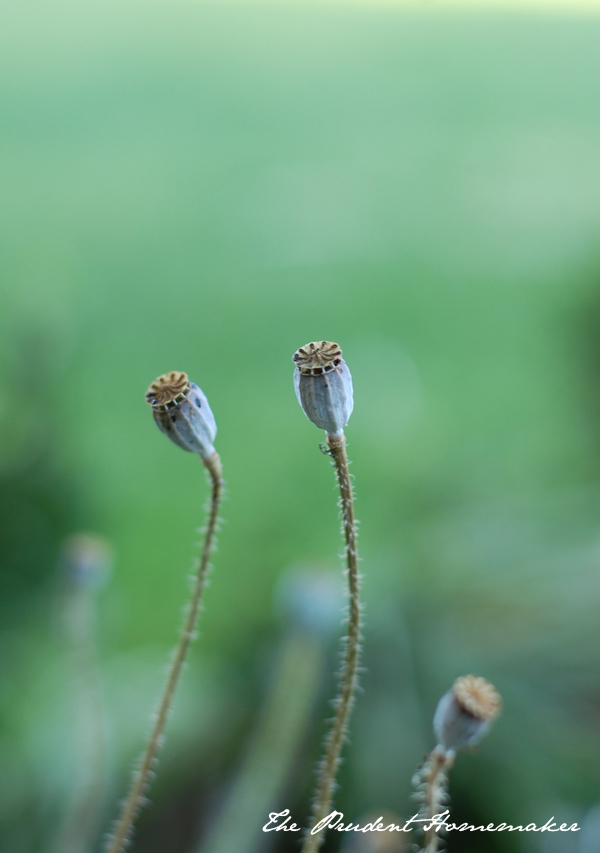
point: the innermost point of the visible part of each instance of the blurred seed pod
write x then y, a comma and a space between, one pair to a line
181, 411
465, 713
310, 598
323, 385
86, 560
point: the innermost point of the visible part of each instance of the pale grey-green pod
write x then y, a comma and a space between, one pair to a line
323, 385
465, 713
181, 411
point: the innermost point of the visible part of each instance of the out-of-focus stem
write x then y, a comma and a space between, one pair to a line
121, 836
273, 748
80, 826
349, 674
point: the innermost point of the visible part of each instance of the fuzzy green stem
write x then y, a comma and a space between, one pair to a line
349, 675
121, 837
435, 779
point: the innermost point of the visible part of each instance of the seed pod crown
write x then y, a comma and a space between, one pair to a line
478, 697
169, 390
317, 357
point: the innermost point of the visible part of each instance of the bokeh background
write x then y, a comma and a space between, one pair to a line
205, 187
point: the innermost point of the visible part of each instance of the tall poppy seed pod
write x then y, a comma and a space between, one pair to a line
466, 712
323, 385
181, 411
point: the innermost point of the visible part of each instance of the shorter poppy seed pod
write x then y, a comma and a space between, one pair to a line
466, 712
182, 412
323, 385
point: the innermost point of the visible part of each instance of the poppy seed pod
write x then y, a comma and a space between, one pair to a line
182, 412
323, 385
466, 712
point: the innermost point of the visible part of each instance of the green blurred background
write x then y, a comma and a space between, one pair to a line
206, 187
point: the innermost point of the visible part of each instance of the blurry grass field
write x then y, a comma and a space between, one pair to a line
207, 187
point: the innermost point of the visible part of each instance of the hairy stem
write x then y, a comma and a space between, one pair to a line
349, 674
121, 836
435, 776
